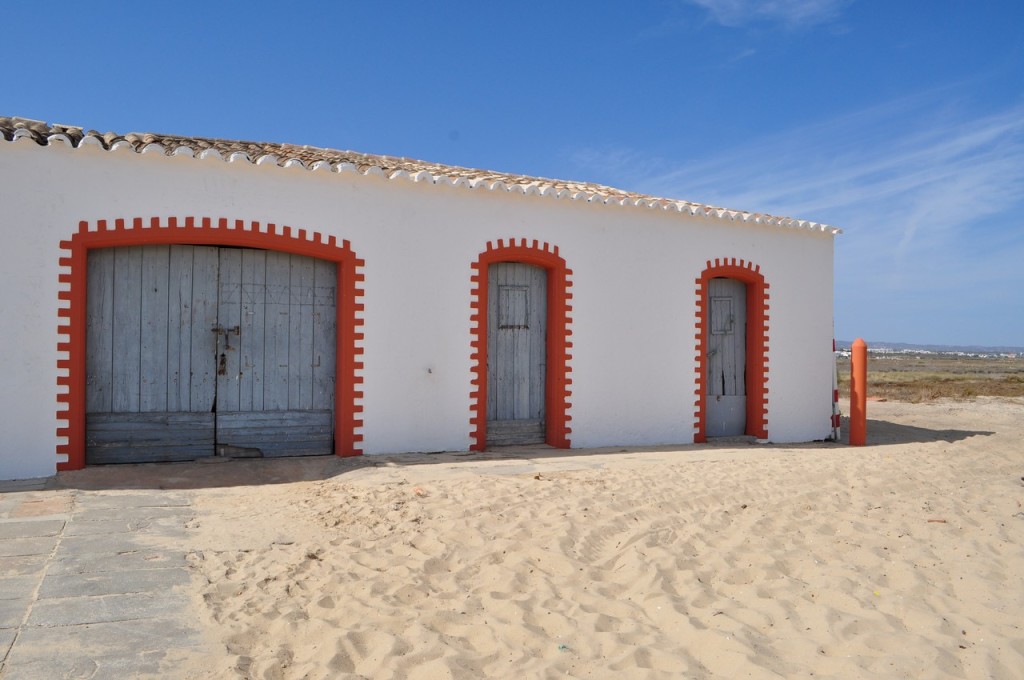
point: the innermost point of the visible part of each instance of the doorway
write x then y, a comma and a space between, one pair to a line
193, 351
516, 354
726, 358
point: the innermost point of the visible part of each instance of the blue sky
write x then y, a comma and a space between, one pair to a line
900, 122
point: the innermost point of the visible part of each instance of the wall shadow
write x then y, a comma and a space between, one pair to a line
215, 473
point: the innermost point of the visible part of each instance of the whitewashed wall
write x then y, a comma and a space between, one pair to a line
633, 292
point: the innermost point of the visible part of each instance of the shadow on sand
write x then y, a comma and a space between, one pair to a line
220, 472
882, 432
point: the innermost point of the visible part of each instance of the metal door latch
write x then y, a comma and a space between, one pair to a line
227, 332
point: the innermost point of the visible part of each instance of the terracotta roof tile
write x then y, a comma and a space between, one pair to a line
314, 158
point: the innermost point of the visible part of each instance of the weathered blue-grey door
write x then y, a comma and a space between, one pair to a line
516, 353
194, 350
276, 353
727, 358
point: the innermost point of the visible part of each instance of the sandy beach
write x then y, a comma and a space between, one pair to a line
902, 559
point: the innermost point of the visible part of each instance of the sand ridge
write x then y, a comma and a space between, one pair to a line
902, 559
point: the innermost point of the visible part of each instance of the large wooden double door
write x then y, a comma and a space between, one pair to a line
193, 351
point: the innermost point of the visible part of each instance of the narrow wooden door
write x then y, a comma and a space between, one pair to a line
727, 358
190, 349
516, 353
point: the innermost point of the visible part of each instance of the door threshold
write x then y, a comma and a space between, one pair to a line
733, 439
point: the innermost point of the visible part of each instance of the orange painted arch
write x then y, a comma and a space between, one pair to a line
557, 380
203, 231
756, 343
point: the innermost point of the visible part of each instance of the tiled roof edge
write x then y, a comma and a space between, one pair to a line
315, 159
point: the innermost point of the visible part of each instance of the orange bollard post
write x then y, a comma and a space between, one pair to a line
859, 393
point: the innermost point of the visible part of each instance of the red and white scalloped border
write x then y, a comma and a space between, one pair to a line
757, 344
558, 380
204, 231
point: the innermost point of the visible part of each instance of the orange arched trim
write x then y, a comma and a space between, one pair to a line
557, 380
204, 231
757, 344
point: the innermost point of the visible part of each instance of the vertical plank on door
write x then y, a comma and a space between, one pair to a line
300, 334
514, 304
495, 379
275, 366
179, 325
229, 316
251, 352
99, 350
154, 329
537, 349
127, 329
203, 359
325, 282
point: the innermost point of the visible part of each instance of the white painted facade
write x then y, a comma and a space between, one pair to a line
633, 292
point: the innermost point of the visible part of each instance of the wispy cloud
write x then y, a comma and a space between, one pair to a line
931, 198
791, 13
901, 157
915, 168
740, 56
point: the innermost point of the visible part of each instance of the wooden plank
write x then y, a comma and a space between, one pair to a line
537, 348
229, 317
154, 331
517, 344
325, 330
126, 421
506, 359
127, 330
278, 433
203, 344
300, 333
179, 327
253, 317
495, 377
515, 432
147, 437
99, 350
276, 330
739, 341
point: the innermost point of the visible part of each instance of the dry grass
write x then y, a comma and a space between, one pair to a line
921, 378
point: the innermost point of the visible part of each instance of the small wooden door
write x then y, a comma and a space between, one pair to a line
516, 353
195, 350
727, 358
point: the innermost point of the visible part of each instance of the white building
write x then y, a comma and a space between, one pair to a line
167, 298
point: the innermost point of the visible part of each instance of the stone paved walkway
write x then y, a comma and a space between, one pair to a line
90, 585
